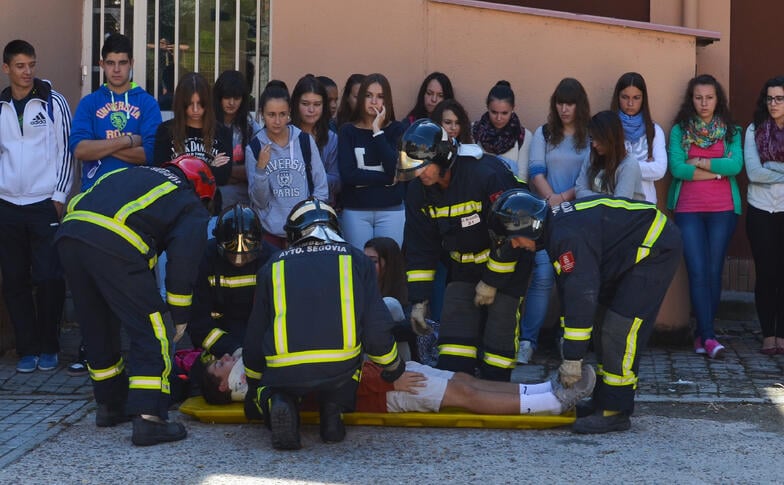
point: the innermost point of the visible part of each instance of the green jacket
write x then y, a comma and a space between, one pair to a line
728, 166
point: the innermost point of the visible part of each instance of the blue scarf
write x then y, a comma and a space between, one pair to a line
633, 126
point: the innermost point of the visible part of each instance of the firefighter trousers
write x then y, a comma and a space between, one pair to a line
109, 292
474, 337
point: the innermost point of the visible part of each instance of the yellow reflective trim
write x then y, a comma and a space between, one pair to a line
657, 226
233, 281
110, 224
420, 275
347, 302
387, 358
557, 267
573, 333
153, 383
457, 350
79, 196
357, 375
501, 267
107, 373
212, 337
279, 300
631, 348
615, 203
313, 357
178, 300
456, 210
144, 201
617, 381
496, 360
159, 329
252, 373
480, 257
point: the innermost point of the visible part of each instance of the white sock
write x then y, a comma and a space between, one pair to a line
528, 389
545, 402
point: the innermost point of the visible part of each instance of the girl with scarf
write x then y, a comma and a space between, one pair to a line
644, 139
499, 131
705, 156
558, 151
764, 157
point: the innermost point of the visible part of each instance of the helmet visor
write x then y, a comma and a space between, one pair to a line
409, 168
240, 259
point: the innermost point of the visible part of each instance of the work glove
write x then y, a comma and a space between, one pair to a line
570, 372
485, 294
418, 324
179, 331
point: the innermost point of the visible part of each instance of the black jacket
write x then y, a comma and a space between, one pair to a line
455, 221
137, 213
592, 243
317, 308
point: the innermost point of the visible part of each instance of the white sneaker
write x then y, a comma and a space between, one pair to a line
525, 352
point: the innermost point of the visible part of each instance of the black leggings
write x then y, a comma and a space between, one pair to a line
766, 236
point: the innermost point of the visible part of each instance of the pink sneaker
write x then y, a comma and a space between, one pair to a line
698, 348
714, 349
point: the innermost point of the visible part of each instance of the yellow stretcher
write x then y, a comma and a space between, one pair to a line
453, 418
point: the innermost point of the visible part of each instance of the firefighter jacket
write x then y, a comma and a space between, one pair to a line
137, 213
317, 307
222, 300
454, 220
592, 242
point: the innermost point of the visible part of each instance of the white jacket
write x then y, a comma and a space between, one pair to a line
35, 163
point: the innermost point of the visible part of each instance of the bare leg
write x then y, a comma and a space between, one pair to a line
492, 386
462, 394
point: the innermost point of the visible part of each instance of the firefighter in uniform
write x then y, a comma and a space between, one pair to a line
614, 252
317, 308
109, 242
447, 206
223, 296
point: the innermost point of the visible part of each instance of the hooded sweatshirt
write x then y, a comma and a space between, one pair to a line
103, 115
277, 188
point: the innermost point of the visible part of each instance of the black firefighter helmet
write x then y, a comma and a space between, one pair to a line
312, 219
423, 143
238, 234
517, 212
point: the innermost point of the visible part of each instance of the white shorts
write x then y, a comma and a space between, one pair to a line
428, 399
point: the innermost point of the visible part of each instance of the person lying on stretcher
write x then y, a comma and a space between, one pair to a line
421, 389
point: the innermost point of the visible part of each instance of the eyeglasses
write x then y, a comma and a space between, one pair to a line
774, 99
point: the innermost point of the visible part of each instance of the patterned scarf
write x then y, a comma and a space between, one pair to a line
497, 141
633, 126
770, 141
703, 134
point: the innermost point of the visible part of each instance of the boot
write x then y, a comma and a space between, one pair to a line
148, 432
108, 415
331, 425
284, 422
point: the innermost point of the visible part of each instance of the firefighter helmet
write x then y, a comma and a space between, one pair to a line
198, 173
238, 234
423, 143
517, 213
312, 219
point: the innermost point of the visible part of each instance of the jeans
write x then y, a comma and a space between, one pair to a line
706, 236
537, 299
360, 226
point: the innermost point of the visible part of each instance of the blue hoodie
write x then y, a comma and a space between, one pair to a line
103, 115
